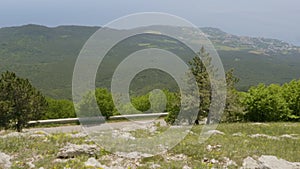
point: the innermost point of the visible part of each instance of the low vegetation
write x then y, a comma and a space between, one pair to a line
239, 141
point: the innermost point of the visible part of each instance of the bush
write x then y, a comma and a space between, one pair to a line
88, 108
234, 108
142, 103
291, 93
59, 109
266, 103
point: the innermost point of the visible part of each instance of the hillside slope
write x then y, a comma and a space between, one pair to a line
47, 56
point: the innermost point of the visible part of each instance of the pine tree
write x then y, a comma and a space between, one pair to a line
233, 109
201, 74
20, 102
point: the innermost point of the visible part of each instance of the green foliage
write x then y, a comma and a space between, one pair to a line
138, 104
5, 111
88, 108
266, 103
291, 93
58, 109
201, 74
173, 106
173, 101
142, 103
234, 109
20, 102
105, 102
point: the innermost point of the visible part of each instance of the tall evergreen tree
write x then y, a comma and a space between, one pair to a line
201, 74
201, 69
20, 102
233, 108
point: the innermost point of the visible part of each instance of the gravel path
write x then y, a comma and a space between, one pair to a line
114, 125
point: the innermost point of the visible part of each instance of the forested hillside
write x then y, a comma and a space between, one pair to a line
46, 56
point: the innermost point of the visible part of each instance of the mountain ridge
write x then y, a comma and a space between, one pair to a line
211, 32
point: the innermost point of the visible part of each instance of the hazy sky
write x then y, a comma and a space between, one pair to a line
268, 18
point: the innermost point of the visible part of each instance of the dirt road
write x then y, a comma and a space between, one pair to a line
130, 125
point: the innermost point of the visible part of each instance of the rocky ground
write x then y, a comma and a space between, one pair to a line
39, 149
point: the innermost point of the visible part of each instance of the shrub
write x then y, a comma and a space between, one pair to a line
87, 107
266, 103
59, 109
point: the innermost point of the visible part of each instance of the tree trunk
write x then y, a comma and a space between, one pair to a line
208, 119
18, 127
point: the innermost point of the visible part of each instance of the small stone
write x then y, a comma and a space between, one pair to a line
78, 135
92, 162
205, 160
61, 160
178, 157
287, 136
237, 134
227, 162
264, 124
30, 163
214, 132
41, 133
5, 161
133, 155
13, 134
263, 135
186, 167
154, 166
215, 147
214, 161
122, 134
152, 129
37, 136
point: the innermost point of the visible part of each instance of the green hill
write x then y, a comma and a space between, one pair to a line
47, 56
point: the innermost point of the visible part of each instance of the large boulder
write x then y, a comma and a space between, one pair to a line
273, 162
73, 150
269, 162
250, 163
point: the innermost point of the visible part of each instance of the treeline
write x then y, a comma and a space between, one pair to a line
137, 105
20, 102
259, 104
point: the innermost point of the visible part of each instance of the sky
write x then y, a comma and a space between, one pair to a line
278, 19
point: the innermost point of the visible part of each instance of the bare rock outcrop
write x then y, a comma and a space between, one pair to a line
269, 162
73, 150
5, 162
